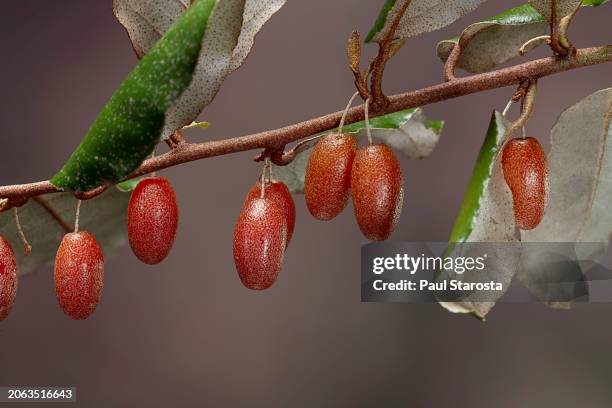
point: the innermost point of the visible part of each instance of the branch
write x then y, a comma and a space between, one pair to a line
274, 140
379, 100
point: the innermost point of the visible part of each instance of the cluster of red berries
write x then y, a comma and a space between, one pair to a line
79, 263
336, 170
526, 173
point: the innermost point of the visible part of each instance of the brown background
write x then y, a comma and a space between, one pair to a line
186, 333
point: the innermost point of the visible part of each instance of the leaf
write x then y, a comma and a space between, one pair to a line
129, 126
146, 21
578, 213
128, 185
562, 8
227, 43
580, 169
486, 215
104, 216
421, 16
497, 39
407, 131
416, 138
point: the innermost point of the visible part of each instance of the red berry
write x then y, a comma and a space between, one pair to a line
526, 173
260, 238
378, 191
278, 192
328, 175
152, 219
79, 274
8, 278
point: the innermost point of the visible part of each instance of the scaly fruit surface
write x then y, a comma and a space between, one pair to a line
327, 181
79, 274
526, 173
278, 192
377, 190
152, 219
8, 278
260, 238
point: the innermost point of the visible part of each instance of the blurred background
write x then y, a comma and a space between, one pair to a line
186, 332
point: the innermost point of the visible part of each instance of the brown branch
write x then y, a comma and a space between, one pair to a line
379, 99
528, 100
274, 140
455, 56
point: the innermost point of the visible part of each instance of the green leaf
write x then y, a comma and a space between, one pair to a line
487, 215
229, 38
104, 216
421, 16
497, 39
486, 205
130, 125
407, 131
380, 20
128, 185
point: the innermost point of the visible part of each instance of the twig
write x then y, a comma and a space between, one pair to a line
534, 40
455, 56
275, 140
526, 111
379, 99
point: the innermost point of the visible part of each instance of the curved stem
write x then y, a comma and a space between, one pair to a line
528, 103
276, 139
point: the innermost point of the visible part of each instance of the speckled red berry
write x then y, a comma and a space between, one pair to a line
377, 190
327, 181
260, 238
79, 274
526, 173
278, 192
8, 278
152, 219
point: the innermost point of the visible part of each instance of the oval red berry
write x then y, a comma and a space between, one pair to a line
260, 239
526, 173
278, 192
79, 274
152, 219
8, 278
327, 181
377, 190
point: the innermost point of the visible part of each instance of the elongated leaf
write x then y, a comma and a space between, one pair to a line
578, 210
408, 131
228, 41
104, 216
146, 21
486, 215
130, 125
497, 39
580, 163
421, 16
